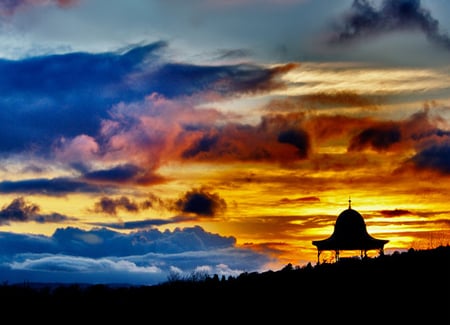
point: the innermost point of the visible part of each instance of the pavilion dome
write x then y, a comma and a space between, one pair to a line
350, 233
350, 223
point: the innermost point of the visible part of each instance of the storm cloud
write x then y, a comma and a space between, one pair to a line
365, 20
101, 255
201, 202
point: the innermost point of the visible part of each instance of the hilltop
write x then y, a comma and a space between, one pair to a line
408, 286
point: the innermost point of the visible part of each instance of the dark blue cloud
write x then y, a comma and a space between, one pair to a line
12, 244
363, 20
378, 138
125, 173
174, 80
203, 145
48, 97
54, 186
101, 255
19, 210
436, 157
122, 173
201, 202
102, 242
297, 138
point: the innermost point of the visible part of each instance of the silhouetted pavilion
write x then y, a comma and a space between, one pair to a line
350, 233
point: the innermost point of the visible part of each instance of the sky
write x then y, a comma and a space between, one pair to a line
146, 139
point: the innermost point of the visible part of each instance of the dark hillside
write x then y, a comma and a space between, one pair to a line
411, 287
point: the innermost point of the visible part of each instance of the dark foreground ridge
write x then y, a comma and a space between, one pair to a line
411, 288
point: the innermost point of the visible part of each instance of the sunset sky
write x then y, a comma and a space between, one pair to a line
144, 138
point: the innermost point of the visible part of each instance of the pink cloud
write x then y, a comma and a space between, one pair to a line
148, 132
81, 148
158, 130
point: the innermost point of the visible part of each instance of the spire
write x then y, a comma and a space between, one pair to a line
349, 202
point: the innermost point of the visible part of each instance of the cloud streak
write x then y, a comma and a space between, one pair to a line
54, 186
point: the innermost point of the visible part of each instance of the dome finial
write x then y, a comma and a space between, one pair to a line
349, 202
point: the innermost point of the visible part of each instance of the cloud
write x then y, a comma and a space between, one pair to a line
423, 128
431, 143
138, 224
65, 96
364, 20
101, 242
54, 186
298, 138
110, 205
337, 99
60, 268
434, 158
201, 202
326, 127
160, 129
10, 7
204, 144
96, 181
276, 138
227, 80
104, 256
306, 199
58, 263
124, 173
18, 210
52, 217
119, 173
87, 109
81, 148
415, 132
233, 54
395, 213
378, 138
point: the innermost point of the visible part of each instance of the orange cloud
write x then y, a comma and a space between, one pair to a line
395, 213
338, 98
306, 199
